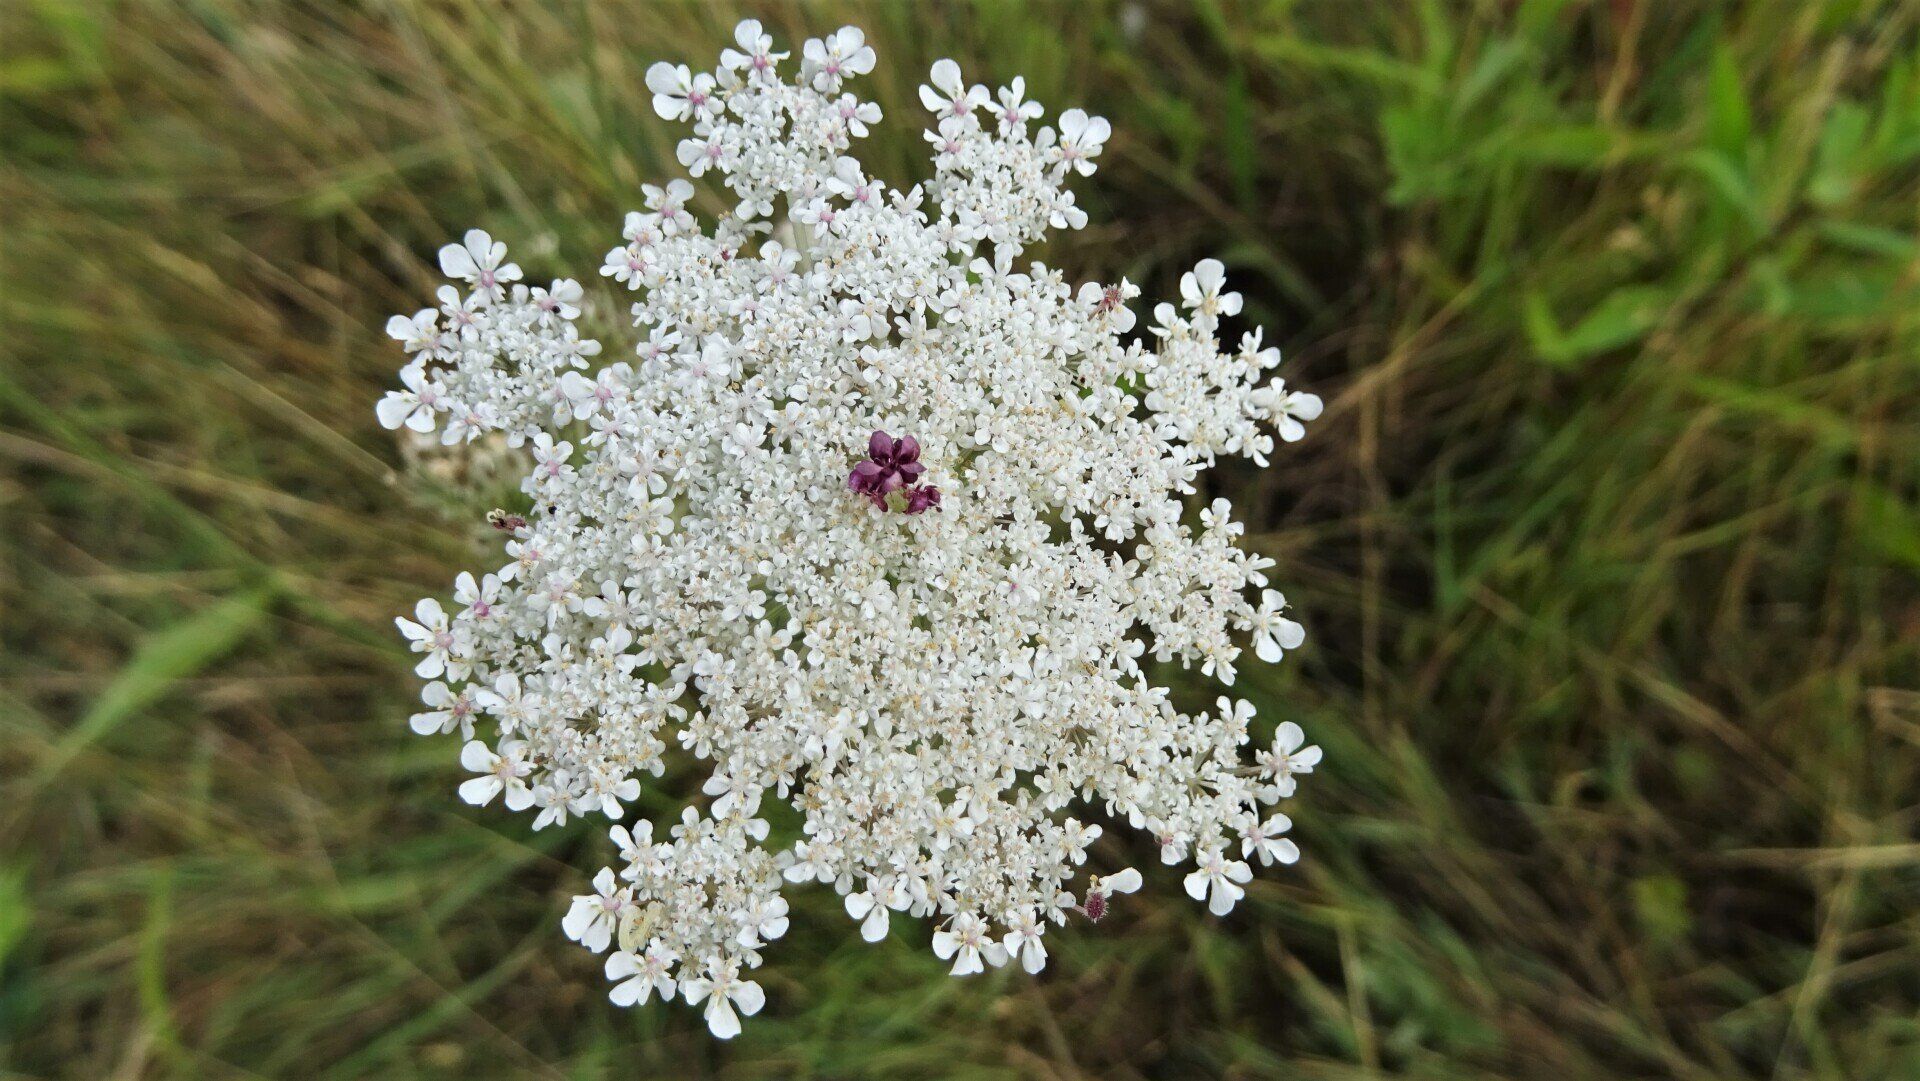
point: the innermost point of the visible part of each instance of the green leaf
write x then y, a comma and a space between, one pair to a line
1242, 160
1660, 906
1870, 239
1838, 158
1729, 120
1571, 145
1417, 143
1622, 317
150, 967
16, 909
1890, 525
1727, 179
1368, 65
1536, 18
1779, 406
1850, 294
1500, 59
30, 75
163, 659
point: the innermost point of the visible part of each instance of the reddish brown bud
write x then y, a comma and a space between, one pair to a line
1095, 906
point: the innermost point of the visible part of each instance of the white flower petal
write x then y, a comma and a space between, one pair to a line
721, 1020
1196, 885
457, 262
480, 791
749, 997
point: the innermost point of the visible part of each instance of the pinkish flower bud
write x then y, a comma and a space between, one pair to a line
923, 497
1095, 906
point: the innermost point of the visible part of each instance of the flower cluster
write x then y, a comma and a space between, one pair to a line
932, 693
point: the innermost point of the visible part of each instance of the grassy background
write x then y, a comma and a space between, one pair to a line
1607, 544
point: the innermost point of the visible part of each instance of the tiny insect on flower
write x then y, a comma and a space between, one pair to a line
504, 522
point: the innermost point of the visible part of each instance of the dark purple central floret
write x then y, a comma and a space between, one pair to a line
892, 465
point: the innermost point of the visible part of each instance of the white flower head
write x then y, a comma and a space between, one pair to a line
413, 407
966, 941
832, 60
1218, 881
415, 332
678, 93
947, 95
1287, 759
595, 916
755, 54
1200, 289
481, 260
502, 771
1265, 841
1273, 632
724, 992
878, 520
1081, 139
636, 977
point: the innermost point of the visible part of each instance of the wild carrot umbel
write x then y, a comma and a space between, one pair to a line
703, 563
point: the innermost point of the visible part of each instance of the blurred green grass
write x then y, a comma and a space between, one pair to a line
1607, 544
